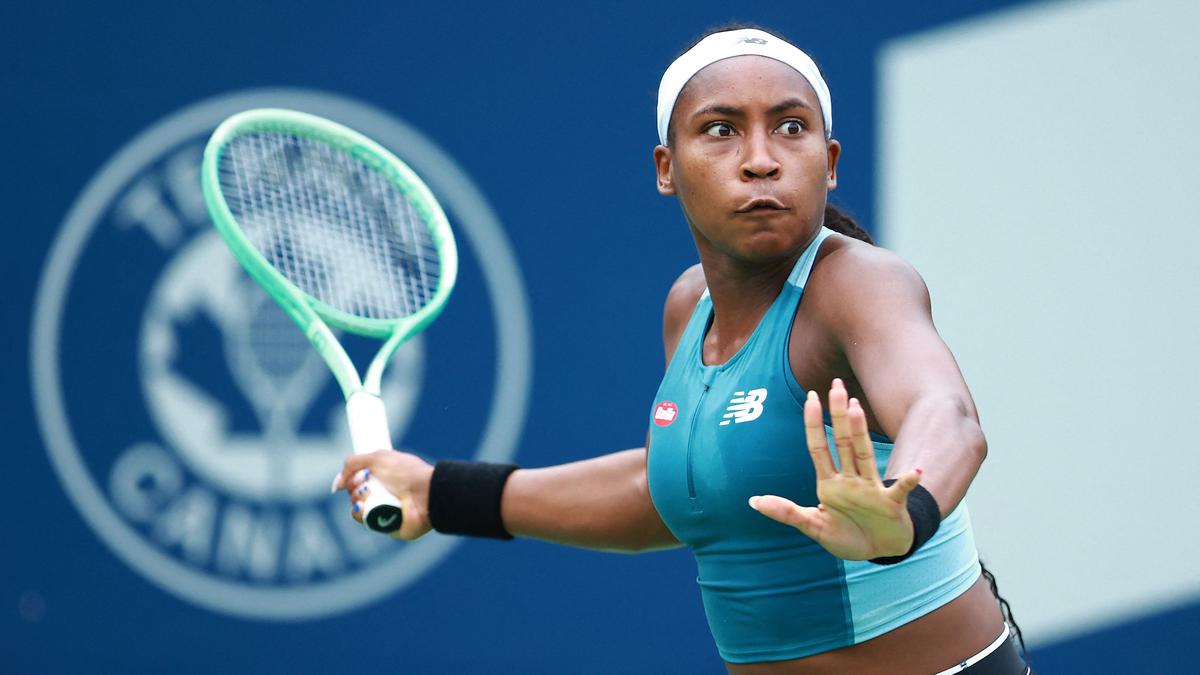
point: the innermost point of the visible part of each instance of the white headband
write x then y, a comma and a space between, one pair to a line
726, 45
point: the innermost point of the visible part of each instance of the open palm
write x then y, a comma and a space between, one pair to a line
858, 517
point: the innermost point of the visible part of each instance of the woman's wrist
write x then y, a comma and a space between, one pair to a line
926, 517
464, 498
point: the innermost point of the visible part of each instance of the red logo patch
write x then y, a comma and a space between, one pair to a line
665, 413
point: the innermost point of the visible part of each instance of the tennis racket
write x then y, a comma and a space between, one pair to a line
343, 235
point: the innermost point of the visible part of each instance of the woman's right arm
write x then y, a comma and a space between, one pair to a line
601, 503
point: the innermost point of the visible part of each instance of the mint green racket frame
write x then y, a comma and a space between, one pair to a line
313, 316
365, 412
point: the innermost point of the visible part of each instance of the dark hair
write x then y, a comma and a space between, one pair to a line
1005, 610
843, 223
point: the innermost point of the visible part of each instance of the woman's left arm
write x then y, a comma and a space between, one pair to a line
912, 384
875, 308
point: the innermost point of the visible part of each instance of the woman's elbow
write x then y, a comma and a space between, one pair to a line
978, 445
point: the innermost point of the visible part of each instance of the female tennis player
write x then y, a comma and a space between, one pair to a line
810, 560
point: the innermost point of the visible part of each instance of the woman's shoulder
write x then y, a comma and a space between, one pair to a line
681, 301
850, 275
842, 254
687, 289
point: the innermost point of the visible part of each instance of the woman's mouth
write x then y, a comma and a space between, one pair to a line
761, 204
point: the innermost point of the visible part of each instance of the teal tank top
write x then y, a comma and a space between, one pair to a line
723, 433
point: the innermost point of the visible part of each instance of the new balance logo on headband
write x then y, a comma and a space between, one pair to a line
745, 406
754, 41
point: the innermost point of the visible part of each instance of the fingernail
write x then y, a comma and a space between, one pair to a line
812, 395
356, 507
366, 474
920, 471
754, 502
337, 480
837, 382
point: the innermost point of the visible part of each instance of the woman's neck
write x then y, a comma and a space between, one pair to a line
741, 294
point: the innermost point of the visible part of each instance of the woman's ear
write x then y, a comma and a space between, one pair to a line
834, 151
662, 169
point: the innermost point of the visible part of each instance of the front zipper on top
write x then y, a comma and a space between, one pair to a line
707, 378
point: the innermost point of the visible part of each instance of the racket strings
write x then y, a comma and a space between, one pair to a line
278, 349
333, 226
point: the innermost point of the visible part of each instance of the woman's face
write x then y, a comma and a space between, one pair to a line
748, 159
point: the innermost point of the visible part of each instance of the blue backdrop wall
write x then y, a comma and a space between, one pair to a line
134, 545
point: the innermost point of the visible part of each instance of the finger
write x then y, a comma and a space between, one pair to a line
352, 465
814, 431
349, 483
360, 493
905, 484
860, 436
359, 478
838, 409
356, 511
807, 519
356, 463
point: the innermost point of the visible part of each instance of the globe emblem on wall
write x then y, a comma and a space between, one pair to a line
194, 427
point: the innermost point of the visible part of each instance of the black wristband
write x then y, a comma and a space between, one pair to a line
464, 498
926, 516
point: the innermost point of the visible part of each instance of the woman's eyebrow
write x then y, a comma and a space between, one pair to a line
734, 111
719, 109
790, 103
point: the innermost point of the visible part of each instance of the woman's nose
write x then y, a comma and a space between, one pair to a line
759, 162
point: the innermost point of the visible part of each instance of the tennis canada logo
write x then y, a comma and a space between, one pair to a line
190, 421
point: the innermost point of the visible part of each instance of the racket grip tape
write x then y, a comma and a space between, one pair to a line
369, 432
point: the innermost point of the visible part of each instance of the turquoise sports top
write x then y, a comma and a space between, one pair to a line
721, 434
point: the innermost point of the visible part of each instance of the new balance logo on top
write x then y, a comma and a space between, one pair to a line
745, 406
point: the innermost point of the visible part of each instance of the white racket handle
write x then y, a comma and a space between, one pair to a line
369, 432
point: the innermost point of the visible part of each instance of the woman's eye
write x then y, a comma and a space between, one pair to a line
791, 127
719, 129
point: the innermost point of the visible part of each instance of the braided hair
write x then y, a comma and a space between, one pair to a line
843, 223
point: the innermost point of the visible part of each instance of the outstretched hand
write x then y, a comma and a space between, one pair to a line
405, 476
858, 518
